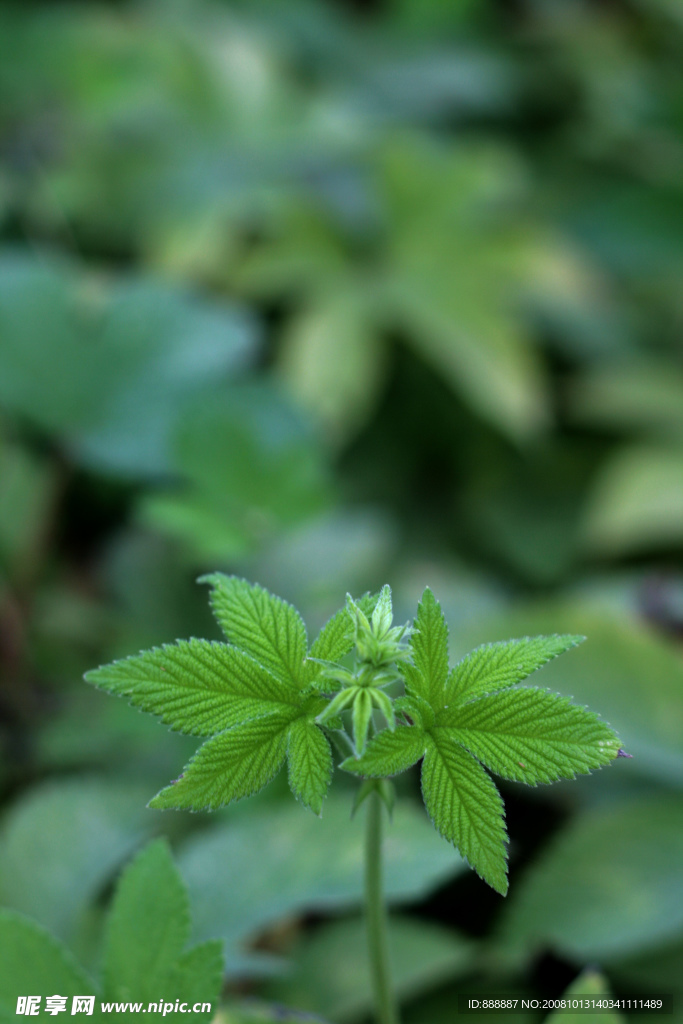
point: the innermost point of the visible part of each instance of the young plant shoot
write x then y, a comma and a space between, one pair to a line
264, 697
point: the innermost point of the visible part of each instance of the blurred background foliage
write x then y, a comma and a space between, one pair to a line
329, 294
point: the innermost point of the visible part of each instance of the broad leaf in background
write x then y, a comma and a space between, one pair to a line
315, 866
147, 928
247, 468
333, 363
441, 271
131, 355
28, 486
330, 971
611, 883
644, 396
143, 957
658, 969
61, 843
147, 931
472, 717
34, 962
637, 502
452, 283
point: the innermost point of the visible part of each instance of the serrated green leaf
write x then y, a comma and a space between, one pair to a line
196, 686
197, 977
263, 625
34, 963
426, 677
232, 765
531, 735
309, 760
466, 808
497, 666
148, 926
389, 753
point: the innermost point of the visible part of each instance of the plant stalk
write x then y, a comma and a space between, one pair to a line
376, 915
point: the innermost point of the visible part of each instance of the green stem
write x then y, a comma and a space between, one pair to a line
376, 915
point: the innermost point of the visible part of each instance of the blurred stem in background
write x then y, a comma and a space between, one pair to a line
376, 915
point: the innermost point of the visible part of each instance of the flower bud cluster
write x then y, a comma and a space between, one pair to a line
380, 649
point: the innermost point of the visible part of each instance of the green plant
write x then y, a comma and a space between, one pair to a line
144, 958
265, 698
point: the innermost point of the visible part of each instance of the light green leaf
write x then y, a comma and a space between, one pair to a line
196, 686
498, 666
426, 677
34, 963
637, 502
265, 626
130, 352
361, 715
249, 470
232, 765
593, 985
610, 884
642, 394
148, 927
197, 977
331, 972
333, 361
531, 735
309, 760
383, 612
466, 809
451, 270
384, 704
389, 753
